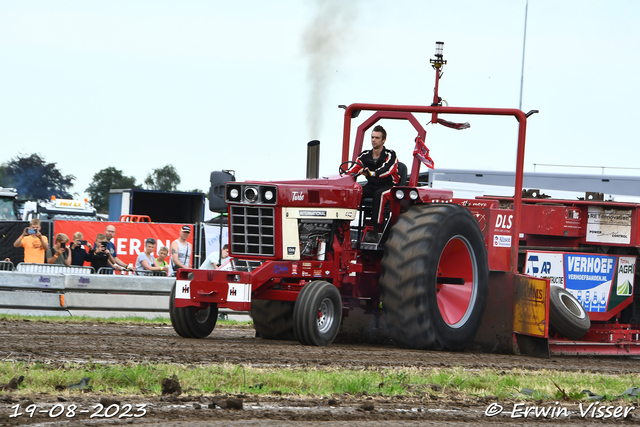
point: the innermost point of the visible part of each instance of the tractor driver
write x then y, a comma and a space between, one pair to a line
380, 166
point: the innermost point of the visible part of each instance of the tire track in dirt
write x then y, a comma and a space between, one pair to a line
116, 343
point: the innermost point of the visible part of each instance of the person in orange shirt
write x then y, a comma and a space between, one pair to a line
35, 244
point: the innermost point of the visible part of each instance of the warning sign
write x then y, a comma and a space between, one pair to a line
530, 311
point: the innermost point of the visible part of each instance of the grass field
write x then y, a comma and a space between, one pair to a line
146, 378
130, 379
160, 321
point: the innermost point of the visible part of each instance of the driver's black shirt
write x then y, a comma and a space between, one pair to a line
384, 169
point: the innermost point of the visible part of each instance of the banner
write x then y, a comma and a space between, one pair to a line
130, 236
599, 282
452, 125
216, 237
422, 152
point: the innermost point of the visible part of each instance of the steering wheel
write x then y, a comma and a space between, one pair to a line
348, 164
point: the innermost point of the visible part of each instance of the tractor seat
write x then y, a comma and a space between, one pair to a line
402, 171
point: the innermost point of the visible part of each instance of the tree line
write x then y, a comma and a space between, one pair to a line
34, 178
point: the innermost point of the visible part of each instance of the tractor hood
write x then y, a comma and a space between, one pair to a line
334, 191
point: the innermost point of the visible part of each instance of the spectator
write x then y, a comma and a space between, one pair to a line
110, 233
180, 251
59, 253
161, 261
145, 261
6, 213
211, 263
100, 255
78, 253
35, 244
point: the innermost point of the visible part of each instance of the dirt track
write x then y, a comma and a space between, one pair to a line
110, 343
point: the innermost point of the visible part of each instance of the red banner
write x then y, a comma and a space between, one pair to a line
422, 152
129, 238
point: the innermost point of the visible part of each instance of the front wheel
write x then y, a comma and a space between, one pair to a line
317, 314
272, 319
191, 322
434, 280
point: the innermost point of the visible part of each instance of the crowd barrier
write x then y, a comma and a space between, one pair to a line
6, 266
24, 267
45, 289
73, 269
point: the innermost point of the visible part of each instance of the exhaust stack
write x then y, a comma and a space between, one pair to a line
313, 159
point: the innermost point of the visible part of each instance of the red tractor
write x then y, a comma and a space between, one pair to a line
446, 274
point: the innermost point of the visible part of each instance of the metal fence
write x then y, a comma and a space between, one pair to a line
6, 266
147, 273
151, 273
24, 267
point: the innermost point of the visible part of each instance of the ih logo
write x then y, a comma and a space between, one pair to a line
233, 292
185, 288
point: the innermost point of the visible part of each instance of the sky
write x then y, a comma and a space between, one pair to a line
244, 85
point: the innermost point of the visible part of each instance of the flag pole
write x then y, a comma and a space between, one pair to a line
524, 43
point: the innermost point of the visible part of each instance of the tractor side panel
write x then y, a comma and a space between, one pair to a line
496, 225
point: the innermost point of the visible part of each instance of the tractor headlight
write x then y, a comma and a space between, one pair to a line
399, 194
268, 194
233, 193
413, 194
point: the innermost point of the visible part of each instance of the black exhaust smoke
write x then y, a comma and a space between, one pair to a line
313, 159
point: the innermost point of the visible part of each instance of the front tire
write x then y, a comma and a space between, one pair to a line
317, 314
191, 322
434, 280
273, 320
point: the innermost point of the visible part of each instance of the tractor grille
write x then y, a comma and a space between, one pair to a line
252, 230
245, 264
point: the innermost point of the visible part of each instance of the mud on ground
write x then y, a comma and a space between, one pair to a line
116, 343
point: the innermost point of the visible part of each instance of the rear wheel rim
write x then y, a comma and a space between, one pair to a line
325, 315
457, 283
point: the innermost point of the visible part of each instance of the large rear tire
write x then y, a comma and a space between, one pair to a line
434, 280
273, 320
190, 322
566, 315
317, 314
